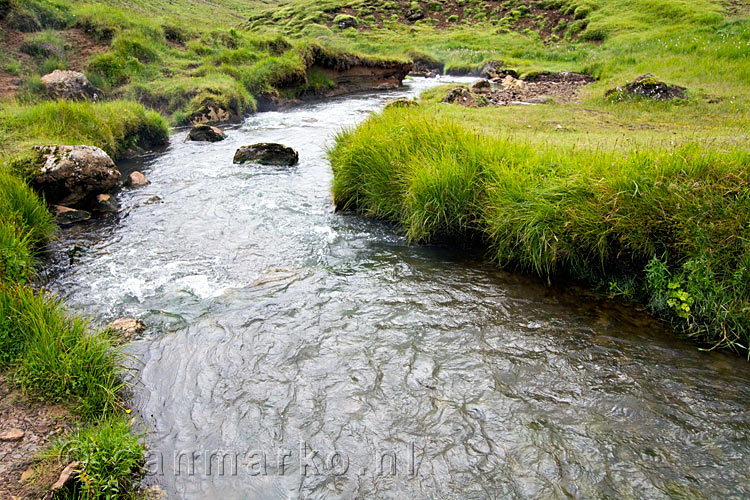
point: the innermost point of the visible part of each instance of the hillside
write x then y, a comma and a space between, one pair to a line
156, 53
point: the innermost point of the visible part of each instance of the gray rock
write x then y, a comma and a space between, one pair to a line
72, 175
70, 85
267, 153
481, 86
12, 435
491, 69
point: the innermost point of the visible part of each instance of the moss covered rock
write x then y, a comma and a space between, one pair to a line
344, 21
414, 12
647, 86
400, 103
460, 95
267, 153
73, 175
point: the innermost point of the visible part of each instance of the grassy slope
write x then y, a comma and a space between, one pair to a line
640, 199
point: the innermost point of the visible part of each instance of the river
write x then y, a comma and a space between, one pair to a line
321, 356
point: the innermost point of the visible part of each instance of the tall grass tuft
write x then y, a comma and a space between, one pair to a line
59, 360
111, 458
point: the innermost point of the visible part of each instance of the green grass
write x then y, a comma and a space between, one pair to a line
56, 356
25, 224
666, 226
111, 457
114, 126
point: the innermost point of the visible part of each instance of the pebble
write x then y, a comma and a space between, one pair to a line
12, 435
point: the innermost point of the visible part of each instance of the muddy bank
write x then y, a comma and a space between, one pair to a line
331, 74
27, 427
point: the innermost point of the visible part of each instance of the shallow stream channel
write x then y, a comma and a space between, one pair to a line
295, 352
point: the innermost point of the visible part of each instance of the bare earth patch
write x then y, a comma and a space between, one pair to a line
538, 89
28, 427
9, 85
79, 47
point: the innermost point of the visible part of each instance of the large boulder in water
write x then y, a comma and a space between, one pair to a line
72, 175
206, 133
267, 153
650, 87
70, 85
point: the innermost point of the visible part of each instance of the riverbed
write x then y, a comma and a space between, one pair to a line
316, 354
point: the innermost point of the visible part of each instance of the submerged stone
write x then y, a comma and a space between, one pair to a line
127, 327
66, 215
267, 153
106, 203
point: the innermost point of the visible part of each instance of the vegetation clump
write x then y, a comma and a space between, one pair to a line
647, 86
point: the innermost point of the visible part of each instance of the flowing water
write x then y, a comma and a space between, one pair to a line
318, 355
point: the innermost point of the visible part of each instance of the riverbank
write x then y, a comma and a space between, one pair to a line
49, 357
665, 227
186, 73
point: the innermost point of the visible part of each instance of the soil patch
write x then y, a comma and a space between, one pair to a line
9, 85
37, 425
82, 47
